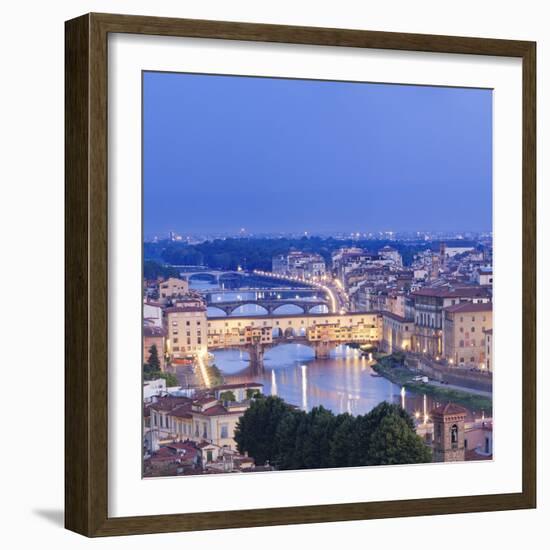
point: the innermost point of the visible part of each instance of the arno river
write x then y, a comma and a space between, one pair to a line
342, 383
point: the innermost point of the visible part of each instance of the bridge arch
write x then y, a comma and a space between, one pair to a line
219, 311
290, 332
299, 307
202, 276
234, 310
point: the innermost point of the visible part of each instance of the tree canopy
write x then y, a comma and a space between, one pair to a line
271, 430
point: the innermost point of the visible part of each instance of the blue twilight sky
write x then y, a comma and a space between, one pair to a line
281, 155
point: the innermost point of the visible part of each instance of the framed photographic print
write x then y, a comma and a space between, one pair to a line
300, 275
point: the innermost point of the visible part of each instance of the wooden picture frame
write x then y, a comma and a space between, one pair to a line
86, 283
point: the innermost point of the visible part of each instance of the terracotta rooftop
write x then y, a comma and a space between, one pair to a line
185, 309
182, 411
396, 317
449, 409
469, 307
169, 403
215, 410
446, 292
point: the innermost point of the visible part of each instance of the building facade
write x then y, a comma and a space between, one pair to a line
464, 334
171, 288
299, 264
489, 359
448, 437
187, 331
154, 336
429, 303
397, 333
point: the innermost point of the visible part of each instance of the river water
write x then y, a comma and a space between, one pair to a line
345, 382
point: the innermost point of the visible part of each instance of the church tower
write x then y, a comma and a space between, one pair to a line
448, 436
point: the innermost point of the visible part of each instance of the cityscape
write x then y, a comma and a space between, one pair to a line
299, 334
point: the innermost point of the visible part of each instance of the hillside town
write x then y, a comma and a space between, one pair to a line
425, 324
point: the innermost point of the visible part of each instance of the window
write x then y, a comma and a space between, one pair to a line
454, 436
224, 431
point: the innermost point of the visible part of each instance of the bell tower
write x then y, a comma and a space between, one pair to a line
448, 436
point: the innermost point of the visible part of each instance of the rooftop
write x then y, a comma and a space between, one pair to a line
185, 309
449, 409
469, 307
446, 292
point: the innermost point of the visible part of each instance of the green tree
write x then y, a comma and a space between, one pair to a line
317, 432
386, 435
215, 375
227, 396
153, 270
255, 432
251, 393
171, 380
393, 442
341, 444
153, 361
292, 439
286, 441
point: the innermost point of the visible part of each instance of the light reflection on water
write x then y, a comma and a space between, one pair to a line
342, 383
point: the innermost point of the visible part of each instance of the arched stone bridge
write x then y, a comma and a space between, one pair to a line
270, 306
191, 272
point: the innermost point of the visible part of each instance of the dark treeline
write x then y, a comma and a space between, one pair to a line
291, 439
257, 253
153, 270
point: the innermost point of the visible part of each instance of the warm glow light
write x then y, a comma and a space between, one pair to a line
203, 369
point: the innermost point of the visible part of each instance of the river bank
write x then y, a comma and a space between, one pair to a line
397, 373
